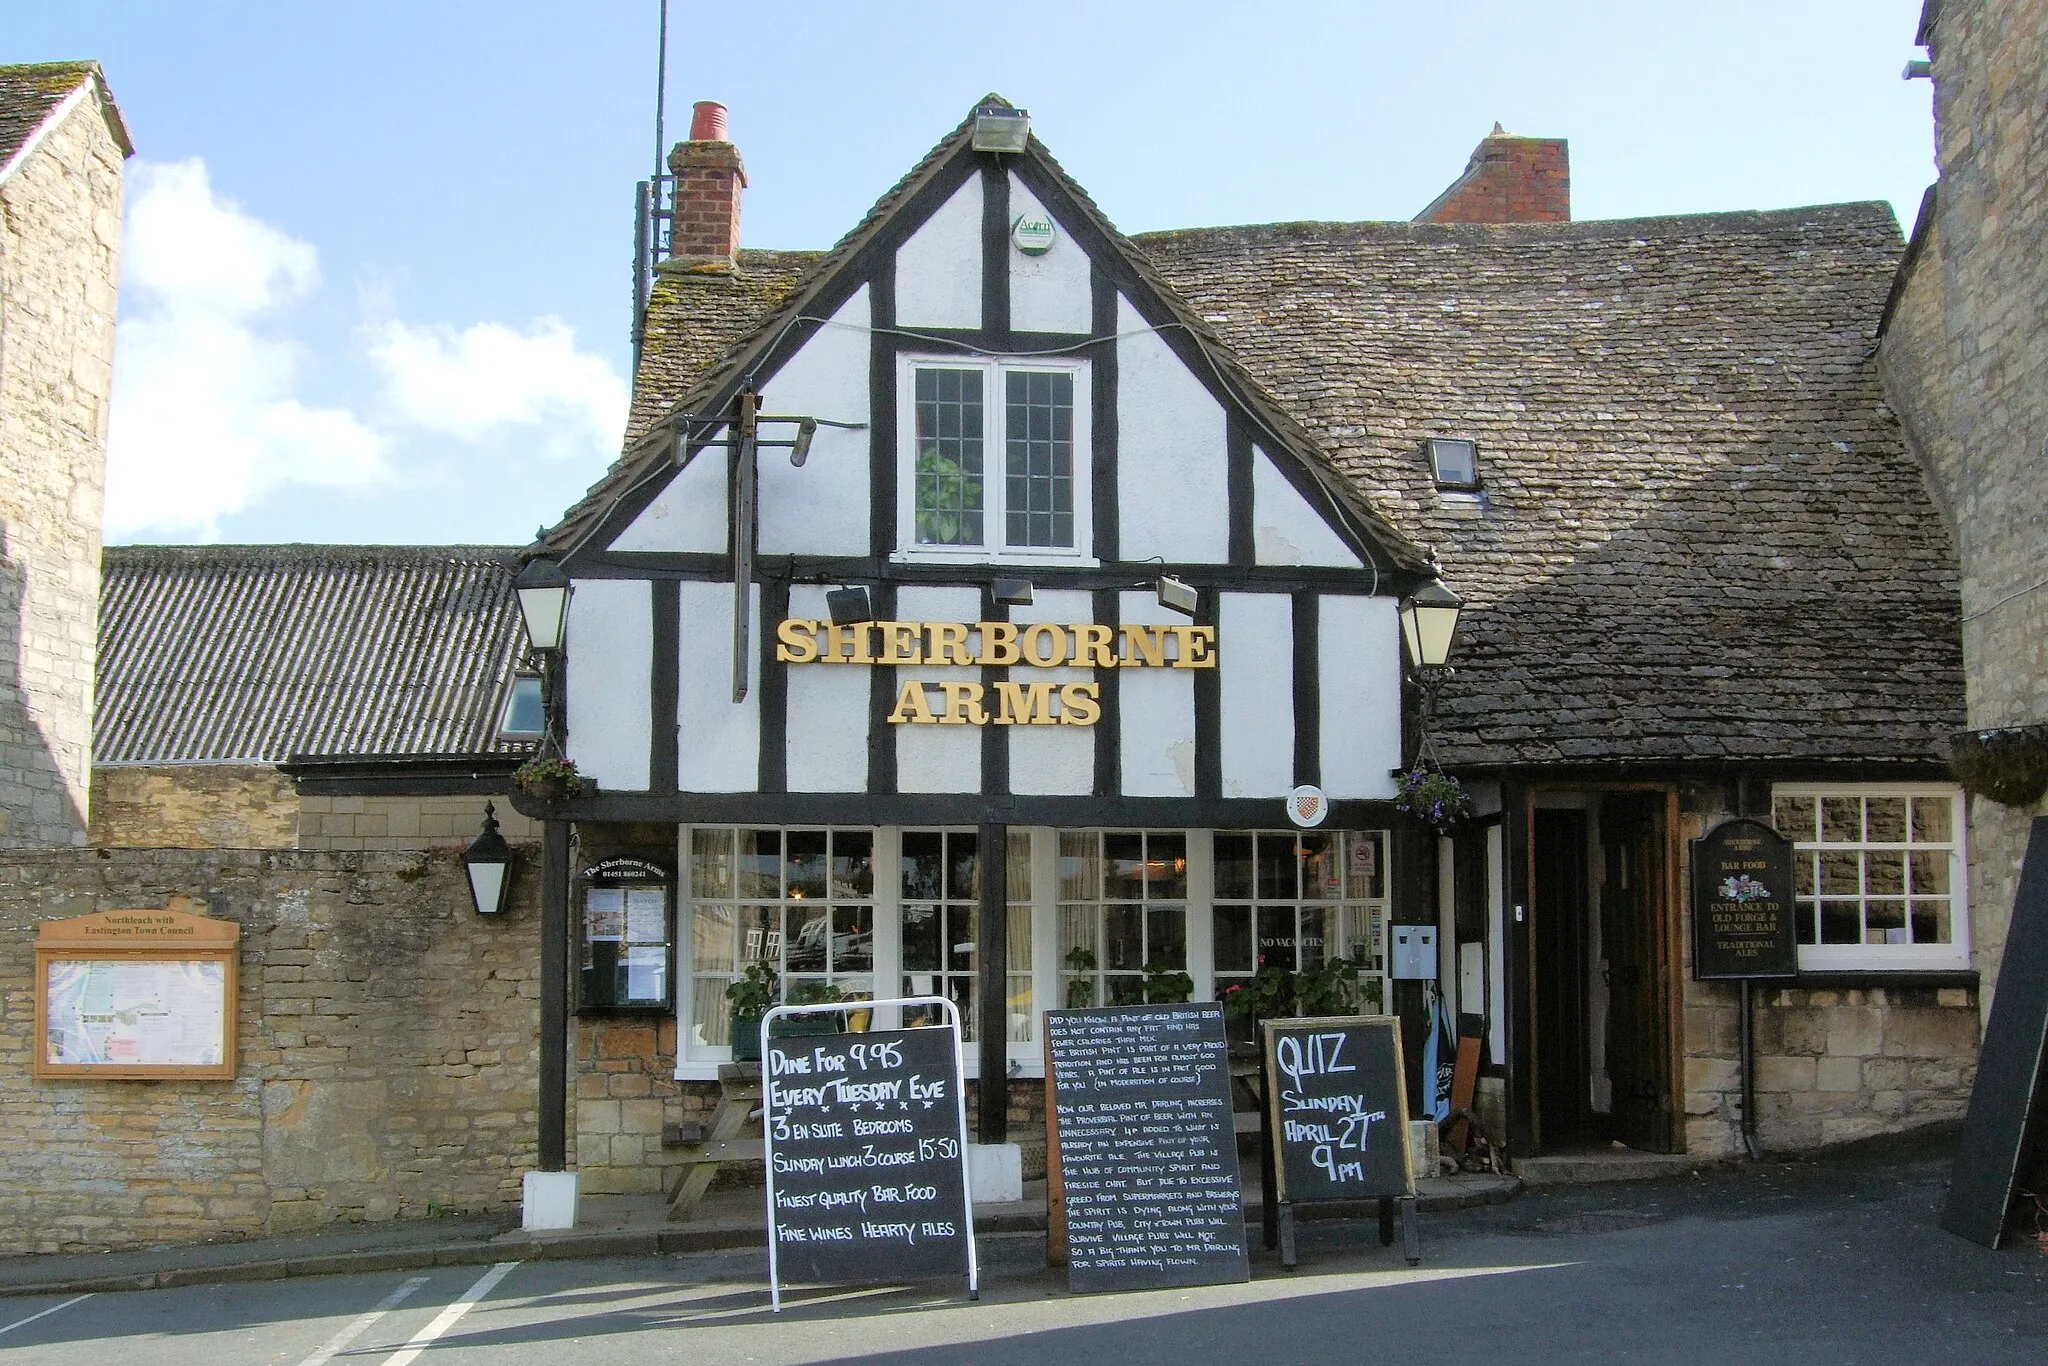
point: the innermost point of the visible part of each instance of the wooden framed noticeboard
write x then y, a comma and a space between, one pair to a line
1339, 1108
136, 995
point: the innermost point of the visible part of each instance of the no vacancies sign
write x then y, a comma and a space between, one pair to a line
1001, 644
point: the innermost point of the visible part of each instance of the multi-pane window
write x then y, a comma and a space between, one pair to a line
1291, 900
1123, 908
1877, 873
962, 411
941, 886
801, 901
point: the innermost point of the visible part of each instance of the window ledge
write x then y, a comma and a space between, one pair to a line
1843, 979
974, 555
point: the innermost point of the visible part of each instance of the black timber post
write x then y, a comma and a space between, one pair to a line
1517, 921
991, 987
554, 997
1415, 903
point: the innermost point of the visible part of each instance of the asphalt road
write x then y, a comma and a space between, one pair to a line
1832, 1261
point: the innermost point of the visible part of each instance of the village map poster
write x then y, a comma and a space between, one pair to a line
136, 1012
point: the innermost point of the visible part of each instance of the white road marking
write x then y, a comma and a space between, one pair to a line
46, 1313
447, 1317
335, 1345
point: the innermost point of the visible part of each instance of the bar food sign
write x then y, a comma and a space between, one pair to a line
1742, 904
995, 644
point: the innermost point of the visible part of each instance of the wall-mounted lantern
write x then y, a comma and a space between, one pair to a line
488, 862
1429, 620
543, 589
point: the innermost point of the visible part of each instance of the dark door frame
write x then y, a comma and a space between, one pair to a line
1518, 797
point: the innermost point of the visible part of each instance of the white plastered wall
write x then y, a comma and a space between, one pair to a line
610, 648
689, 514
1172, 466
1158, 709
938, 271
938, 758
718, 741
1048, 293
1255, 657
1052, 760
821, 509
1285, 528
1358, 663
828, 714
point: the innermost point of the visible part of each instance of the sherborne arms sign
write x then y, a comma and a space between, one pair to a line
1002, 644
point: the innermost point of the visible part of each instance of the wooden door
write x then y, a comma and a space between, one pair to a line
1634, 941
1558, 937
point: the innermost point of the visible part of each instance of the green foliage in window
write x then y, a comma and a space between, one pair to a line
948, 500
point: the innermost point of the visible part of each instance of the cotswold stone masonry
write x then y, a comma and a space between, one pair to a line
388, 1038
60, 233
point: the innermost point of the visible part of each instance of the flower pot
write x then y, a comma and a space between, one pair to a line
746, 1039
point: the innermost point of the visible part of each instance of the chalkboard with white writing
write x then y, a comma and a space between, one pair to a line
865, 1164
1147, 1148
1338, 1116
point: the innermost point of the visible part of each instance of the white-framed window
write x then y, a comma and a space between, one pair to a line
995, 459
888, 910
1879, 874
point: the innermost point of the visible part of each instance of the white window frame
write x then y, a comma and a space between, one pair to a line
1949, 957
995, 455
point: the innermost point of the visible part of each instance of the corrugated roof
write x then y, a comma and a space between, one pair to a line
1701, 534
216, 653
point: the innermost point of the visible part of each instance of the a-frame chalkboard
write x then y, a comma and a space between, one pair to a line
2006, 1105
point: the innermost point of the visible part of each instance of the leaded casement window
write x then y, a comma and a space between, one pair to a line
996, 459
801, 901
941, 890
1123, 909
1292, 899
1878, 874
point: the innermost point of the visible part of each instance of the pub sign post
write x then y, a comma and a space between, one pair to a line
1743, 926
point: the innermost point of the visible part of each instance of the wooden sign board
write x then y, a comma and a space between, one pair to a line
136, 995
2008, 1113
867, 1161
1144, 1147
1743, 911
1338, 1112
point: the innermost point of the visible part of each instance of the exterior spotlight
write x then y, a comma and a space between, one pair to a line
543, 590
999, 129
1013, 592
1177, 596
800, 449
1429, 619
488, 861
849, 606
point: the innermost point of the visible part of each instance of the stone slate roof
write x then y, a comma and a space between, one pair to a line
1700, 536
259, 653
678, 344
29, 93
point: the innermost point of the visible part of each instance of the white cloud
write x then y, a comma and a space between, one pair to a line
474, 382
205, 413
208, 409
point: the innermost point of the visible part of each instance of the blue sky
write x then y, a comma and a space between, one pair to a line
377, 271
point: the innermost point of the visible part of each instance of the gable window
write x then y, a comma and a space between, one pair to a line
1454, 464
1878, 874
996, 459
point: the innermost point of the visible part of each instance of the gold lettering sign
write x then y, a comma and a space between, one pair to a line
1000, 644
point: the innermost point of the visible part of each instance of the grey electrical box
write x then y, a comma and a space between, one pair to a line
1414, 953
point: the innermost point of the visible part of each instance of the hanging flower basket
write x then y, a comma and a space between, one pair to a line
2009, 765
551, 780
1433, 797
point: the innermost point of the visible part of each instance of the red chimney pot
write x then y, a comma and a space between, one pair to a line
707, 122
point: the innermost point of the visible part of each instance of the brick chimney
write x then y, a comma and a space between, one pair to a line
709, 178
1508, 180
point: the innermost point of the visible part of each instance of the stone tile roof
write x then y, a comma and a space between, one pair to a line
258, 653
675, 378
1700, 536
29, 93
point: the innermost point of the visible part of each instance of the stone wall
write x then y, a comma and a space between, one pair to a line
404, 822
193, 806
1963, 359
1833, 1064
388, 1053
60, 233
